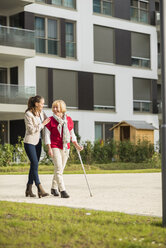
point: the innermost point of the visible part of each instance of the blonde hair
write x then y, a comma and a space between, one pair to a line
61, 104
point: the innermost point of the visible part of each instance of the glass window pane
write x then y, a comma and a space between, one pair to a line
52, 29
3, 20
69, 32
70, 50
3, 76
43, 1
52, 47
145, 63
146, 106
135, 62
70, 45
107, 10
134, 3
57, 2
98, 131
137, 106
97, 6
69, 3
39, 27
40, 45
108, 133
134, 14
144, 16
143, 5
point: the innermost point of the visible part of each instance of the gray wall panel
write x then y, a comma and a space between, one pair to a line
122, 9
123, 47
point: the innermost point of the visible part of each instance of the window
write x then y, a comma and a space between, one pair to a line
103, 44
15, 21
102, 131
40, 34
140, 44
140, 11
3, 20
70, 40
103, 7
46, 32
3, 75
65, 3
65, 87
104, 92
142, 95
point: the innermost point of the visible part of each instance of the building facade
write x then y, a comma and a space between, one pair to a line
99, 56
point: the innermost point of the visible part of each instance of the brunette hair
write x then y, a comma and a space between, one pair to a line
60, 103
31, 103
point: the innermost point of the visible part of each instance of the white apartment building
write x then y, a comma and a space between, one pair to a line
99, 56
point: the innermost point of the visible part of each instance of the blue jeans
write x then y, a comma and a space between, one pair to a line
33, 152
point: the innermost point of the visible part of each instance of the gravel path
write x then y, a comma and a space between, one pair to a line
128, 193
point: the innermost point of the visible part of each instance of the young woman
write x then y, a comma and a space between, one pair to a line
35, 120
58, 133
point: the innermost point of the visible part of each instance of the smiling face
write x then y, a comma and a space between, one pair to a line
59, 108
39, 105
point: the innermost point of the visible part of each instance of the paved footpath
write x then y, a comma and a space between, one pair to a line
128, 193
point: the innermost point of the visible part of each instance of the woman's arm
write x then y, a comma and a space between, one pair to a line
31, 126
74, 140
48, 142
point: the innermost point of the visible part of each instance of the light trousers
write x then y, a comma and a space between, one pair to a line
60, 158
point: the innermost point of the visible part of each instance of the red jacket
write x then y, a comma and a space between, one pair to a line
56, 139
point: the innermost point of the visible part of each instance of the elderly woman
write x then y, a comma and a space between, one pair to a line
58, 133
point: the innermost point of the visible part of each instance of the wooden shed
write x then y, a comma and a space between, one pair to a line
133, 131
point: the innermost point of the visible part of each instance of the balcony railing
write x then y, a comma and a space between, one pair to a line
16, 37
142, 106
15, 94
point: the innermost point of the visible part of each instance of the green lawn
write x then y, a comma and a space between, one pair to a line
41, 226
77, 169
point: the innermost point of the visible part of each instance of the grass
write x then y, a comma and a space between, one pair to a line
25, 225
77, 169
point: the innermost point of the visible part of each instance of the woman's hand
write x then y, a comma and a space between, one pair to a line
50, 153
78, 147
46, 121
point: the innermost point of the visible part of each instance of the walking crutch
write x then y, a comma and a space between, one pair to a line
84, 172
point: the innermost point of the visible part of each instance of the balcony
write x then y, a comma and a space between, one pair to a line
7, 5
15, 94
16, 43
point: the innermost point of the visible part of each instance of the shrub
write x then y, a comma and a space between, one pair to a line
130, 152
6, 154
125, 151
19, 152
87, 153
